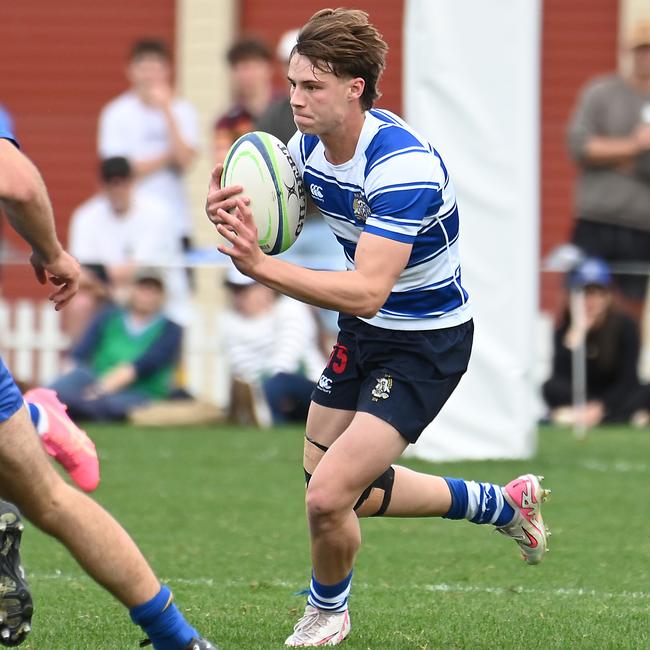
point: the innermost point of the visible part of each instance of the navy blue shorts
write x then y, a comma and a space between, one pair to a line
11, 398
403, 377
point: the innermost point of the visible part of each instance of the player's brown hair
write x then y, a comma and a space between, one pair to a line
343, 41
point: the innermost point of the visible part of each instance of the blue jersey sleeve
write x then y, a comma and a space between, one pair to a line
6, 127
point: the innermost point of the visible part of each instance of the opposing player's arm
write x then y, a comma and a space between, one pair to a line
26, 202
25, 199
361, 292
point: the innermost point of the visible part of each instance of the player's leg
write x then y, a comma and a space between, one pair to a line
95, 539
364, 450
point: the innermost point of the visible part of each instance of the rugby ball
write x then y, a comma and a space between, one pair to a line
261, 164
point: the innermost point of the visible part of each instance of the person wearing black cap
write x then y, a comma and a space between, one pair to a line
612, 351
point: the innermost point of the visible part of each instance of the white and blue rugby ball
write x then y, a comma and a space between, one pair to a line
262, 165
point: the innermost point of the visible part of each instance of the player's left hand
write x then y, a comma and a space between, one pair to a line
240, 230
63, 272
221, 198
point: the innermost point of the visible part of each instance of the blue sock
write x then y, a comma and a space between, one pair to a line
333, 598
480, 503
34, 413
162, 622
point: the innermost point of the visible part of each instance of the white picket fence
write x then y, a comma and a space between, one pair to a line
33, 346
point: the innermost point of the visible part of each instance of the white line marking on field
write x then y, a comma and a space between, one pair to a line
620, 466
443, 587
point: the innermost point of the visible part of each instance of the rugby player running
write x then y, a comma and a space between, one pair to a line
405, 321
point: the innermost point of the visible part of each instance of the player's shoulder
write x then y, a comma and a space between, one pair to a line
301, 146
389, 134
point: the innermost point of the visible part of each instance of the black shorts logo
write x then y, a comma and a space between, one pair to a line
382, 389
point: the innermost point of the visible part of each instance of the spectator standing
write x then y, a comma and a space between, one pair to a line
609, 137
277, 119
123, 229
154, 129
611, 340
126, 358
251, 73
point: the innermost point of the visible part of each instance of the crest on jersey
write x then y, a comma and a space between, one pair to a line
382, 389
360, 208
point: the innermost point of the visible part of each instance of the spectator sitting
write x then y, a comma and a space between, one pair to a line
122, 229
93, 297
272, 350
126, 358
609, 137
155, 130
612, 353
251, 72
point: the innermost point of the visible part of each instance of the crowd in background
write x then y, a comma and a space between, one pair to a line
126, 325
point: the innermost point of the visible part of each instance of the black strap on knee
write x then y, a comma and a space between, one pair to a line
385, 483
323, 448
316, 444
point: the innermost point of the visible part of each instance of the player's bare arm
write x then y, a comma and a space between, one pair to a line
25, 199
360, 292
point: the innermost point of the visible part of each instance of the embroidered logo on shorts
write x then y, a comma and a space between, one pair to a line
382, 389
325, 384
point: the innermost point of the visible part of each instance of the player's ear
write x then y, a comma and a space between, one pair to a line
355, 88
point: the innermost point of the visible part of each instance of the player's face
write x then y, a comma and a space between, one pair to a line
148, 70
321, 101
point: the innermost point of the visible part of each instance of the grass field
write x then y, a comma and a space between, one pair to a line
219, 512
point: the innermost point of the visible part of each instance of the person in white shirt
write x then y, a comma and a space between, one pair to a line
154, 129
271, 343
123, 229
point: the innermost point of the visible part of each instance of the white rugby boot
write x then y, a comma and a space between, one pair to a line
319, 628
525, 494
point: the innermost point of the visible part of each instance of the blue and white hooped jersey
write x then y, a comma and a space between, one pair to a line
395, 186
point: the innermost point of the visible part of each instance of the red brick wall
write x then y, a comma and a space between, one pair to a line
271, 19
579, 41
59, 63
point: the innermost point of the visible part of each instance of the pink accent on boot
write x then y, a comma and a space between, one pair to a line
65, 441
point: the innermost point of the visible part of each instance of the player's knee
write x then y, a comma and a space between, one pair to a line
324, 505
